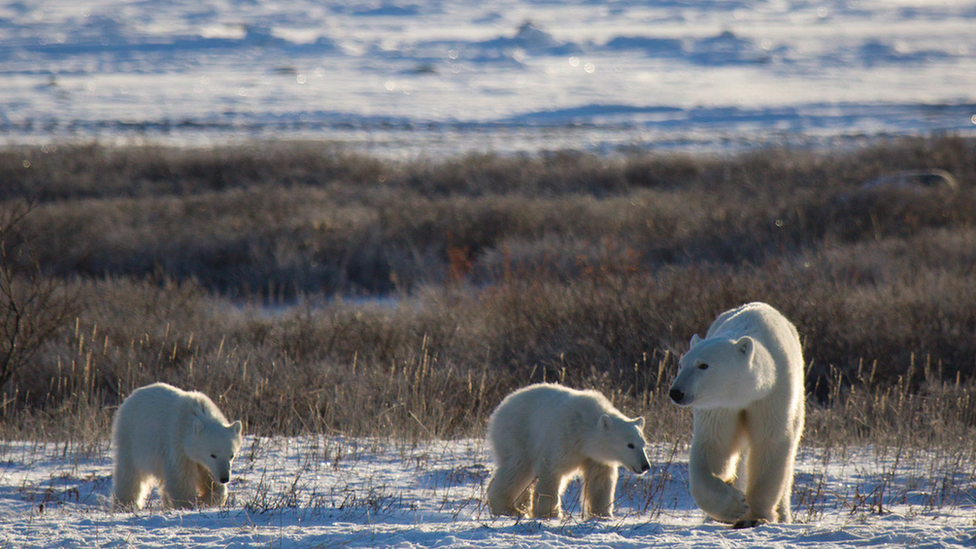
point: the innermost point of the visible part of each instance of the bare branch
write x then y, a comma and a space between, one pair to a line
32, 307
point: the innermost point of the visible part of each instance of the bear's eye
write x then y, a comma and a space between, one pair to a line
213, 456
703, 366
631, 445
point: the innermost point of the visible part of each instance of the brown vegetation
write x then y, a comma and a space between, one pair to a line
308, 289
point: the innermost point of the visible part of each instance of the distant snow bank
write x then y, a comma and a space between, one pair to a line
404, 78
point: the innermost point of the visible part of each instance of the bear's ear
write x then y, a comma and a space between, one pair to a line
237, 427
694, 341
639, 422
197, 426
745, 345
606, 422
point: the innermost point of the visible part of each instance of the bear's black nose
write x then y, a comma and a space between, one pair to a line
224, 480
676, 395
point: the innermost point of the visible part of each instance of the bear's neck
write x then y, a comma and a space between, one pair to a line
764, 371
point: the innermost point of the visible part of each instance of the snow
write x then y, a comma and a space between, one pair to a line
319, 491
403, 78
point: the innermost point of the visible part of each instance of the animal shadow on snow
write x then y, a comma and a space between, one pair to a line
454, 476
58, 490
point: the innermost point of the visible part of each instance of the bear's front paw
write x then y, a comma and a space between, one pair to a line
736, 505
748, 523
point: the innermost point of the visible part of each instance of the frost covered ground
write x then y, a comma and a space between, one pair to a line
407, 77
333, 492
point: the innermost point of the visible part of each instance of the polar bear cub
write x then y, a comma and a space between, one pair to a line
174, 438
744, 382
553, 433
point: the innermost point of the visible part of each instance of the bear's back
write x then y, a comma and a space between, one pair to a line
541, 412
545, 399
162, 407
760, 321
151, 404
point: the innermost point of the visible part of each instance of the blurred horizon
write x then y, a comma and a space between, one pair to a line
406, 79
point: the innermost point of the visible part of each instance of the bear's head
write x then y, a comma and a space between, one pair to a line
620, 440
214, 445
720, 373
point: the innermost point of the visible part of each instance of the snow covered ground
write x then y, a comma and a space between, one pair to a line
404, 78
335, 492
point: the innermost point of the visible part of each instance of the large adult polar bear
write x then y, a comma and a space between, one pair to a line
175, 438
744, 382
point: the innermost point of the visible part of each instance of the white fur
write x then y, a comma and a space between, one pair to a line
177, 439
748, 405
552, 433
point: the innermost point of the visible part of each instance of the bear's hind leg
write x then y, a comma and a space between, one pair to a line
129, 489
599, 487
129, 485
510, 491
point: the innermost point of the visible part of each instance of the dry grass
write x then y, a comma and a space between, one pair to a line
234, 271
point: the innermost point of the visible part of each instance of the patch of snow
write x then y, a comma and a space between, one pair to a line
333, 491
